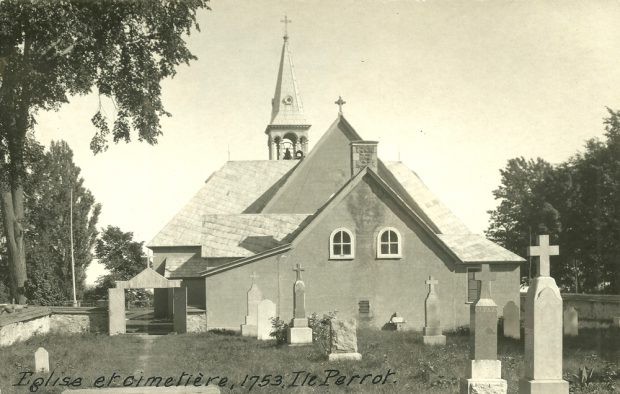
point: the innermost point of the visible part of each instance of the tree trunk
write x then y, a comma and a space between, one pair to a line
13, 217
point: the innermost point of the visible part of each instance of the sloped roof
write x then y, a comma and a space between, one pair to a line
439, 214
475, 248
184, 266
237, 187
147, 278
245, 235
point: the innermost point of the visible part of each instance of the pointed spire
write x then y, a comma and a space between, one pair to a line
287, 108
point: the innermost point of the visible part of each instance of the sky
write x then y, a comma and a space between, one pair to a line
453, 89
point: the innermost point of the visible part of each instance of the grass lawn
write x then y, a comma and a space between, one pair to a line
402, 362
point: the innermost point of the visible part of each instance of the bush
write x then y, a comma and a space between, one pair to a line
278, 331
321, 330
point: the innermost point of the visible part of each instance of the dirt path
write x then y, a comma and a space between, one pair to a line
146, 351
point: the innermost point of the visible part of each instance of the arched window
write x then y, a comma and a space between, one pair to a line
389, 243
341, 244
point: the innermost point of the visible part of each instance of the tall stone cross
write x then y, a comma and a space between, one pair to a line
340, 103
286, 21
298, 270
543, 251
254, 276
431, 283
485, 276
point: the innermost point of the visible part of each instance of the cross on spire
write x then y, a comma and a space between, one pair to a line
431, 283
485, 277
543, 251
298, 270
286, 21
340, 103
254, 276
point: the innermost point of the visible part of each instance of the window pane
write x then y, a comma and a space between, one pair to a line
337, 249
393, 236
346, 250
393, 248
346, 238
385, 236
385, 249
338, 237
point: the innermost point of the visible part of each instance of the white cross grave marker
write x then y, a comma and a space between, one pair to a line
543, 251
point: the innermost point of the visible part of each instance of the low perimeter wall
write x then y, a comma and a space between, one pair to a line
600, 307
19, 326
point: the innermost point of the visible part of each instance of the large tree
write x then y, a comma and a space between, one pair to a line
51, 49
577, 202
55, 179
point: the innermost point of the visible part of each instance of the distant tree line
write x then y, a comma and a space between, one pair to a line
577, 202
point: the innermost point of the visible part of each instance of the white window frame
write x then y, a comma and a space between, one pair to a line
399, 243
333, 256
474, 269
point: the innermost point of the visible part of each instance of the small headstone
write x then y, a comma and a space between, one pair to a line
298, 332
543, 328
398, 322
571, 322
484, 370
254, 297
41, 360
343, 340
266, 311
512, 320
432, 324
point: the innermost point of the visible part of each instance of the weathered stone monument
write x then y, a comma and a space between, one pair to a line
343, 340
299, 333
571, 322
254, 297
512, 320
484, 369
543, 328
266, 310
41, 360
432, 324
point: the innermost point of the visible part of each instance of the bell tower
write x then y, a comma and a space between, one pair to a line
287, 132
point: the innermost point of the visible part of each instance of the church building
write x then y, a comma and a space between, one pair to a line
368, 232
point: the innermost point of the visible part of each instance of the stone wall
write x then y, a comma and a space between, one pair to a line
31, 321
599, 307
20, 326
196, 320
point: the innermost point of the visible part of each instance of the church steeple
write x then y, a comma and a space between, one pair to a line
288, 129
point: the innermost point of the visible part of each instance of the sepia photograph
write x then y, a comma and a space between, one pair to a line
299, 196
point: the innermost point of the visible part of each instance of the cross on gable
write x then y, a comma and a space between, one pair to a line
543, 251
431, 283
298, 270
485, 277
254, 276
340, 103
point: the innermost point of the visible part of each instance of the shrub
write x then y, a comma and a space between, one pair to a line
321, 330
278, 331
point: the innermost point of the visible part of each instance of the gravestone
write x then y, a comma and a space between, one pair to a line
179, 318
254, 297
571, 322
484, 370
432, 324
298, 332
116, 311
616, 322
343, 340
512, 320
266, 310
41, 360
543, 328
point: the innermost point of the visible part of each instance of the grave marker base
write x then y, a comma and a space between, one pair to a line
297, 336
433, 340
248, 330
543, 386
486, 386
345, 357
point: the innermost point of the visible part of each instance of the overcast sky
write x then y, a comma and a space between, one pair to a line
454, 89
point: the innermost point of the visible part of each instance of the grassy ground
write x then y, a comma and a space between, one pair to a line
405, 366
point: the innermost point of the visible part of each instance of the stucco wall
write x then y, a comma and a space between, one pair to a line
196, 321
599, 307
390, 285
75, 322
22, 330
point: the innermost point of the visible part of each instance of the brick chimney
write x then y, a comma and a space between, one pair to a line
363, 154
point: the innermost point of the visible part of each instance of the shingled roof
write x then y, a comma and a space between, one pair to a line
238, 187
475, 248
245, 235
422, 198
